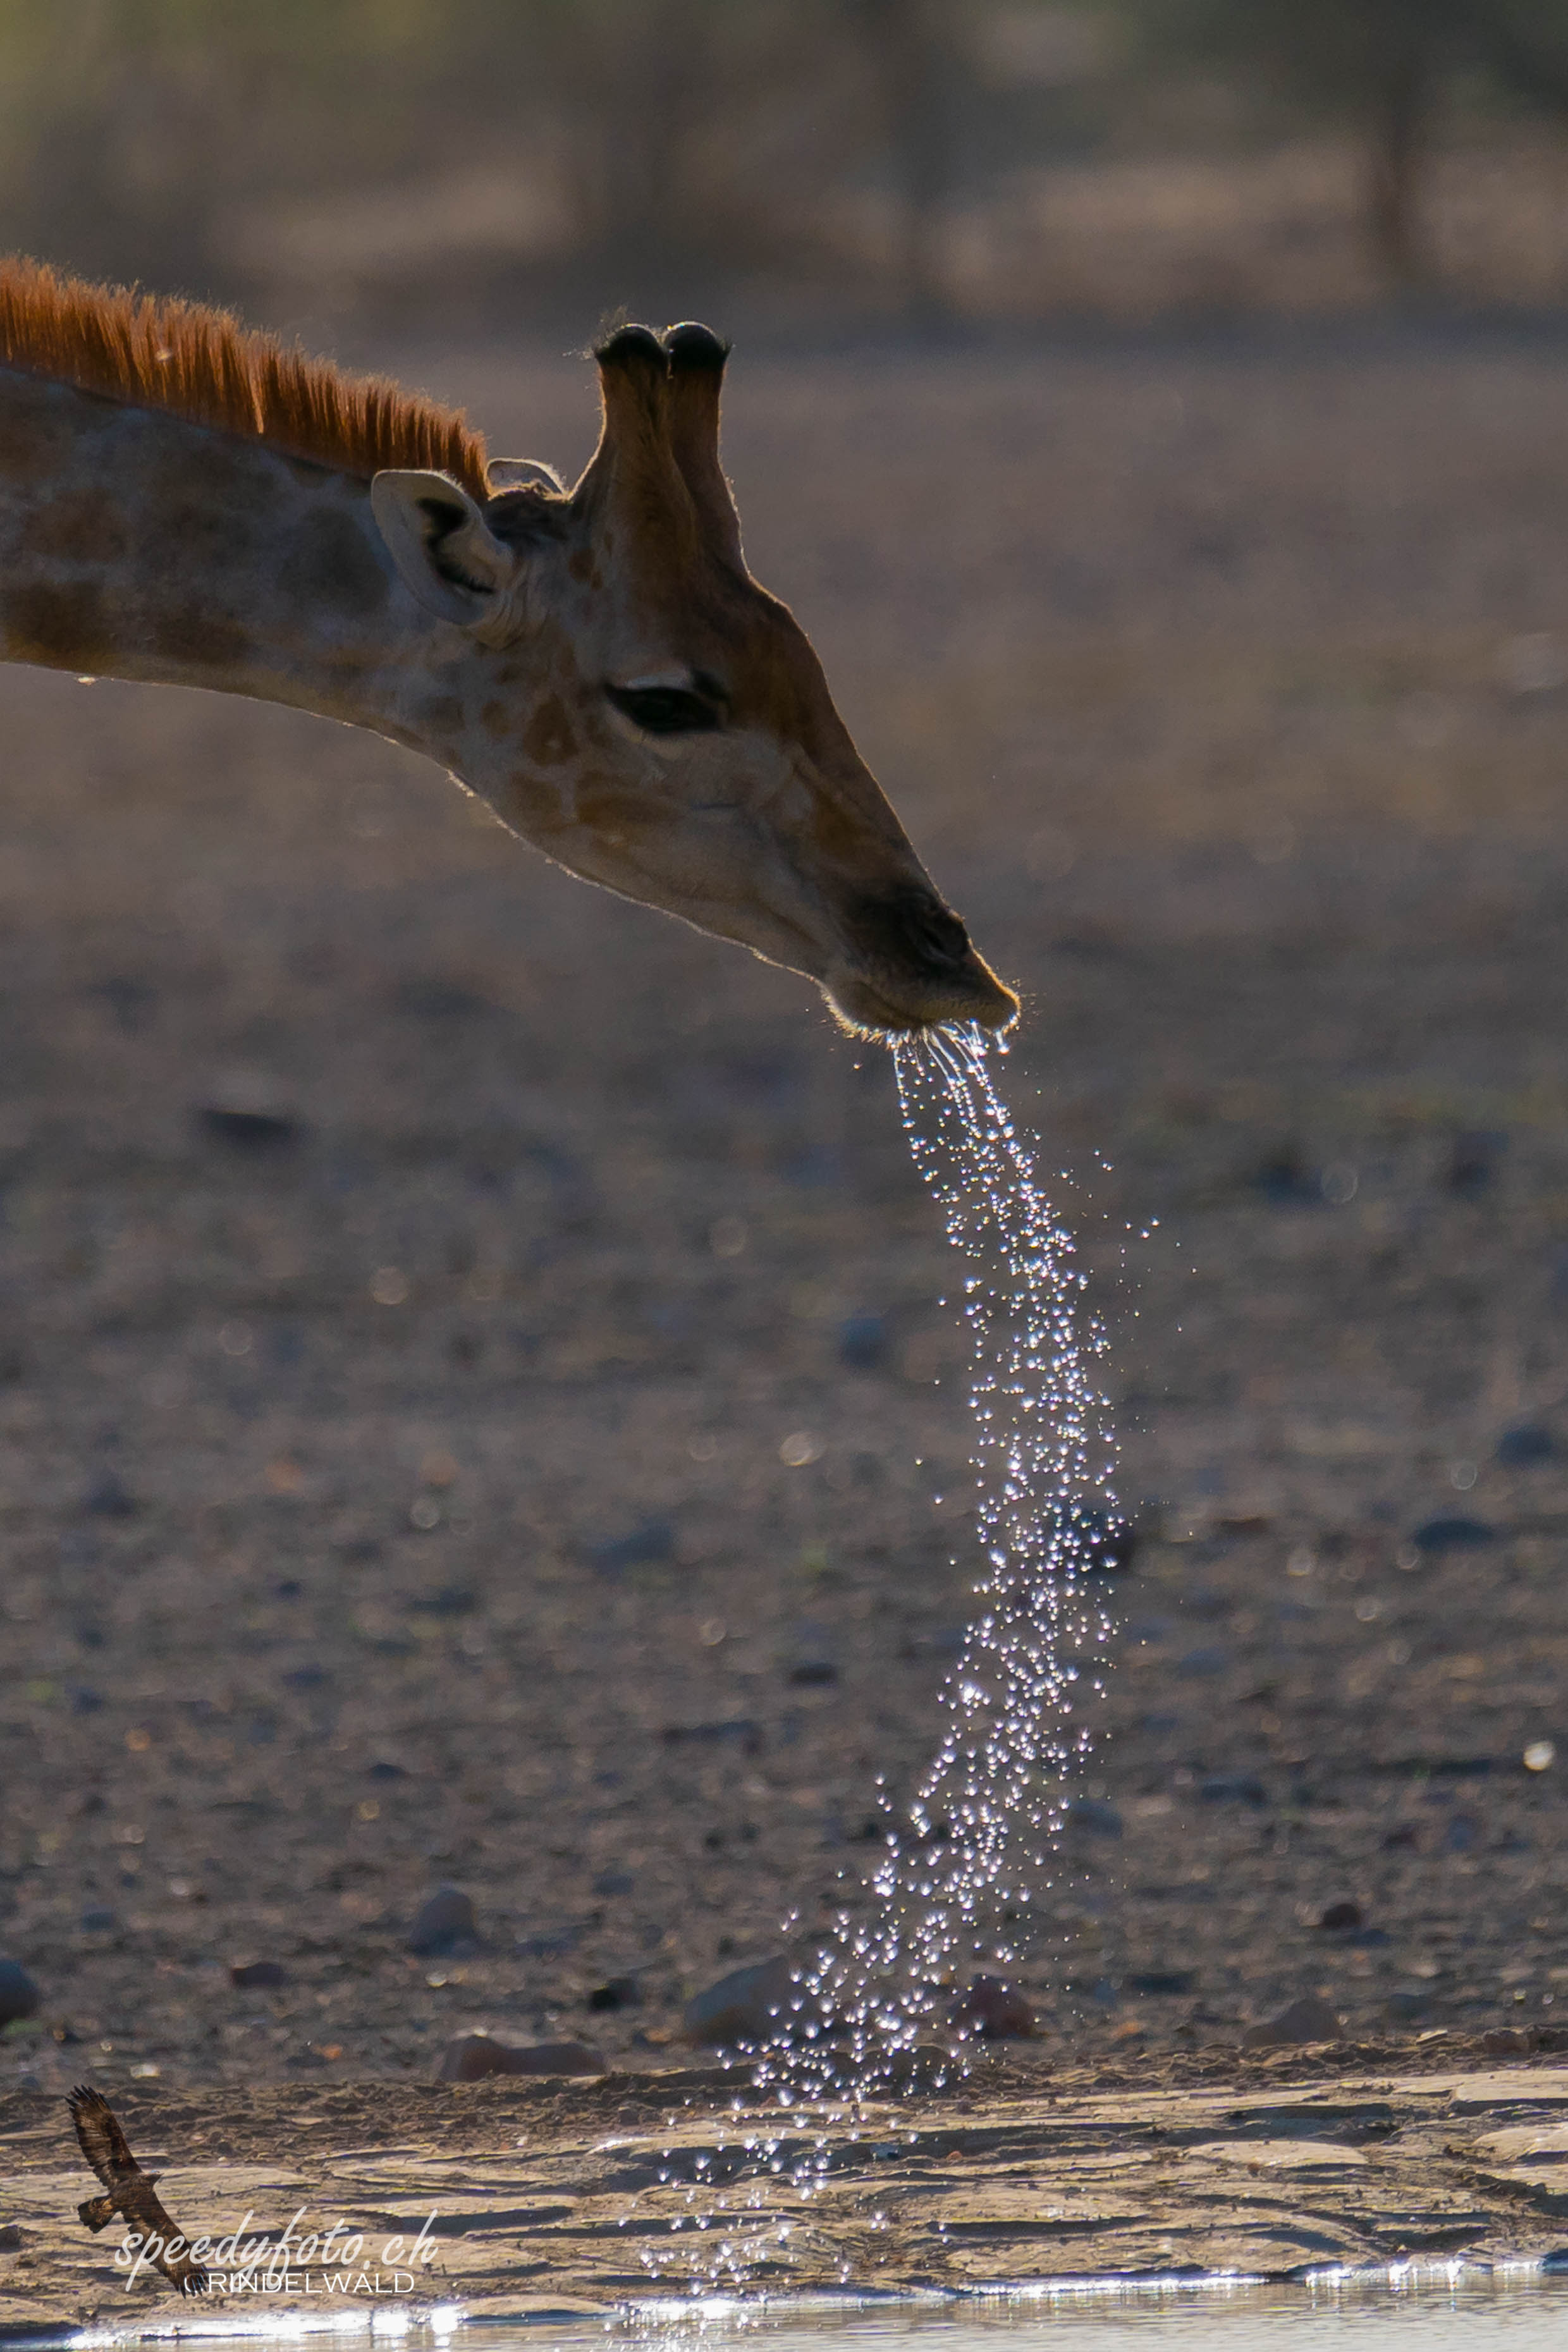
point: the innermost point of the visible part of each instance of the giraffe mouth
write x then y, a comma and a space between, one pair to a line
876, 1007
912, 969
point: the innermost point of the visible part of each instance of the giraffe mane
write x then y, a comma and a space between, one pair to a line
158, 351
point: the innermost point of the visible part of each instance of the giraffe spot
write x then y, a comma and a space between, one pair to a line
33, 441
58, 626
199, 640
547, 739
332, 561
440, 710
79, 527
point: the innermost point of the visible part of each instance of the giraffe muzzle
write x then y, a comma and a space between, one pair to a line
912, 968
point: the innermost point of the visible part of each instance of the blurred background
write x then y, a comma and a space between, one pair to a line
475, 1401
805, 160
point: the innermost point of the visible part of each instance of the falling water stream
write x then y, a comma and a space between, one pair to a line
972, 1852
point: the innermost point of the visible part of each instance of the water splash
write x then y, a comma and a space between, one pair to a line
980, 1840
978, 1843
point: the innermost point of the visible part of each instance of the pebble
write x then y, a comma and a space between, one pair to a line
1402, 2006
1233, 1788
615, 1882
109, 1497
20, 1996
1094, 1817
257, 1976
995, 2011
1107, 1546
445, 1926
742, 2006
618, 1992
98, 1919
249, 1131
1523, 1445
473, 2055
1456, 1533
644, 1547
1342, 1915
863, 1342
1308, 2020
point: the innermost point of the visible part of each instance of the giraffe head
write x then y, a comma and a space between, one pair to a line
636, 706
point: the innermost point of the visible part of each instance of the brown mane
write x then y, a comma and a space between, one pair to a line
159, 352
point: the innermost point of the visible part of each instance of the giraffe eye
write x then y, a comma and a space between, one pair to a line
666, 709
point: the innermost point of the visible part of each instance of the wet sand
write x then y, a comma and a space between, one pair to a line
554, 2199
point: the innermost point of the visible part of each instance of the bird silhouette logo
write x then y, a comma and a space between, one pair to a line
130, 2192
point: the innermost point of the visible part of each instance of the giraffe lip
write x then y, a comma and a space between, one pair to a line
907, 1007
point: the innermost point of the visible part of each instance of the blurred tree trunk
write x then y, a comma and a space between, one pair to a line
915, 66
1401, 118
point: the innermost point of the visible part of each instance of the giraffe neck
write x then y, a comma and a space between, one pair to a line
135, 544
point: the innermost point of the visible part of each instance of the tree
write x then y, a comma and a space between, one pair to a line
1385, 65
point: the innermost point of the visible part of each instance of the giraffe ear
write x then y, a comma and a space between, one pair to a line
447, 554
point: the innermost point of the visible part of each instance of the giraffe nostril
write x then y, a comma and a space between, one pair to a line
913, 926
939, 937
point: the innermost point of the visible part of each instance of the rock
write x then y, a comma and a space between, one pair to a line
445, 1926
618, 1992
744, 2007
474, 2055
98, 1919
1310, 2019
615, 1882
1285, 1179
249, 1130
257, 1976
1525, 1444
448, 1600
1208, 1660
994, 2011
20, 1996
743, 1729
1473, 1159
1105, 1545
644, 1547
810, 1672
1508, 2041
1456, 1533
1343, 1914
1094, 1817
925, 2067
1404, 2005
863, 1342
1233, 1788
109, 1497
11, 2239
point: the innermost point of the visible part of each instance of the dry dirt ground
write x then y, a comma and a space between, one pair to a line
398, 1497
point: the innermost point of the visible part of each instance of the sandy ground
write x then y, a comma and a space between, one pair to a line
1223, 688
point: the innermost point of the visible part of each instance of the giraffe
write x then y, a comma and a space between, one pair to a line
185, 501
